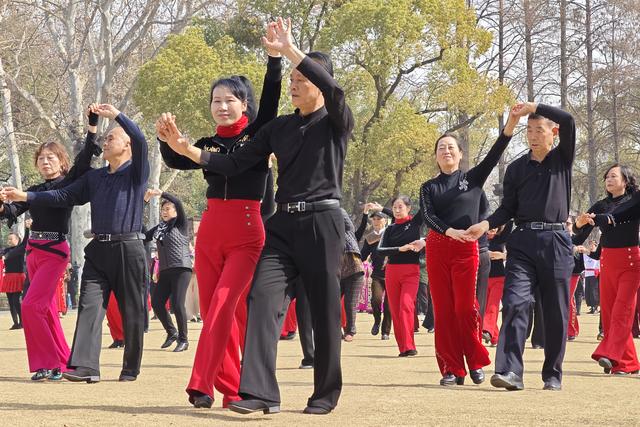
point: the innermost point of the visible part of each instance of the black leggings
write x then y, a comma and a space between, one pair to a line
351, 287
377, 296
15, 307
173, 283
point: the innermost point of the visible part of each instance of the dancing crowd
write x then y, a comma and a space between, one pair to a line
261, 252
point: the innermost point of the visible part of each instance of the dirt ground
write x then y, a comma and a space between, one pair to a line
379, 388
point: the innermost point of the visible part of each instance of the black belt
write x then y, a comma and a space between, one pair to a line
542, 226
47, 235
104, 237
297, 207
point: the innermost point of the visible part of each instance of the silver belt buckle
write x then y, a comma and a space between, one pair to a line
537, 225
296, 207
104, 237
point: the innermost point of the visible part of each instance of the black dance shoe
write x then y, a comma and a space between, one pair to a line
509, 381
451, 380
182, 346
200, 400
127, 378
316, 410
552, 384
41, 375
375, 329
81, 374
248, 406
116, 344
170, 340
477, 376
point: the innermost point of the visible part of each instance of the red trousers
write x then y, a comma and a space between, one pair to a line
402, 282
452, 267
47, 347
230, 239
241, 318
290, 323
114, 319
574, 327
494, 296
619, 281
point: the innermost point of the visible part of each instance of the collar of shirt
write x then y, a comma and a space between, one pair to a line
118, 171
318, 114
534, 161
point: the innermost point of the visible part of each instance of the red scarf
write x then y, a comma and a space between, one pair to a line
403, 220
234, 129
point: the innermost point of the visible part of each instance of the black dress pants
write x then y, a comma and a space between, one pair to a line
379, 299
305, 325
482, 282
15, 307
308, 246
116, 267
173, 283
536, 260
535, 329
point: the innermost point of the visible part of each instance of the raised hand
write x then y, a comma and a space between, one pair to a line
150, 193
107, 110
270, 37
162, 130
92, 115
12, 194
280, 36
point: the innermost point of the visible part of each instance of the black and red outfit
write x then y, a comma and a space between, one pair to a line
378, 288
495, 285
14, 277
453, 201
402, 278
619, 277
229, 243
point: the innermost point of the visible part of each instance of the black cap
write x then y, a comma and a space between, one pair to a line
379, 215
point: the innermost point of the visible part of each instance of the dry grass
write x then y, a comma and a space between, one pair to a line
379, 389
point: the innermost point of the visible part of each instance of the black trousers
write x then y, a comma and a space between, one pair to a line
116, 267
592, 291
351, 287
173, 283
579, 295
309, 246
378, 297
482, 282
15, 307
428, 321
305, 325
535, 329
536, 260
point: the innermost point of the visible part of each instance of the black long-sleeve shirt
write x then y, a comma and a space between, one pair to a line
540, 191
14, 256
625, 232
400, 234
310, 149
497, 244
453, 200
250, 184
116, 198
50, 218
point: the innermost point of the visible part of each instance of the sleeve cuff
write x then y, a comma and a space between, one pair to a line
205, 157
31, 196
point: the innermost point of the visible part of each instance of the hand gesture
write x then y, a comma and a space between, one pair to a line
162, 130
281, 38
107, 110
28, 222
476, 231
12, 194
151, 193
584, 219
92, 114
271, 36
459, 235
496, 255
375, 207
415, 246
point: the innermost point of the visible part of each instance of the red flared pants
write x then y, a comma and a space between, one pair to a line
494, 296
230, 239
619, 281
452, 267
402, 282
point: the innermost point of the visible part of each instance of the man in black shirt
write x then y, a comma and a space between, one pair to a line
537, 191
305, 237
115, 258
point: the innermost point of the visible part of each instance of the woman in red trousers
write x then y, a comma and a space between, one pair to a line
618, 216
231, 234
450, 204
402, 274
497, 241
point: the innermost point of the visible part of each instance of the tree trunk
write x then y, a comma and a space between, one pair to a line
502, 164
564, 86
528, 31
154, 182
591, 143
9, 132
614, 88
